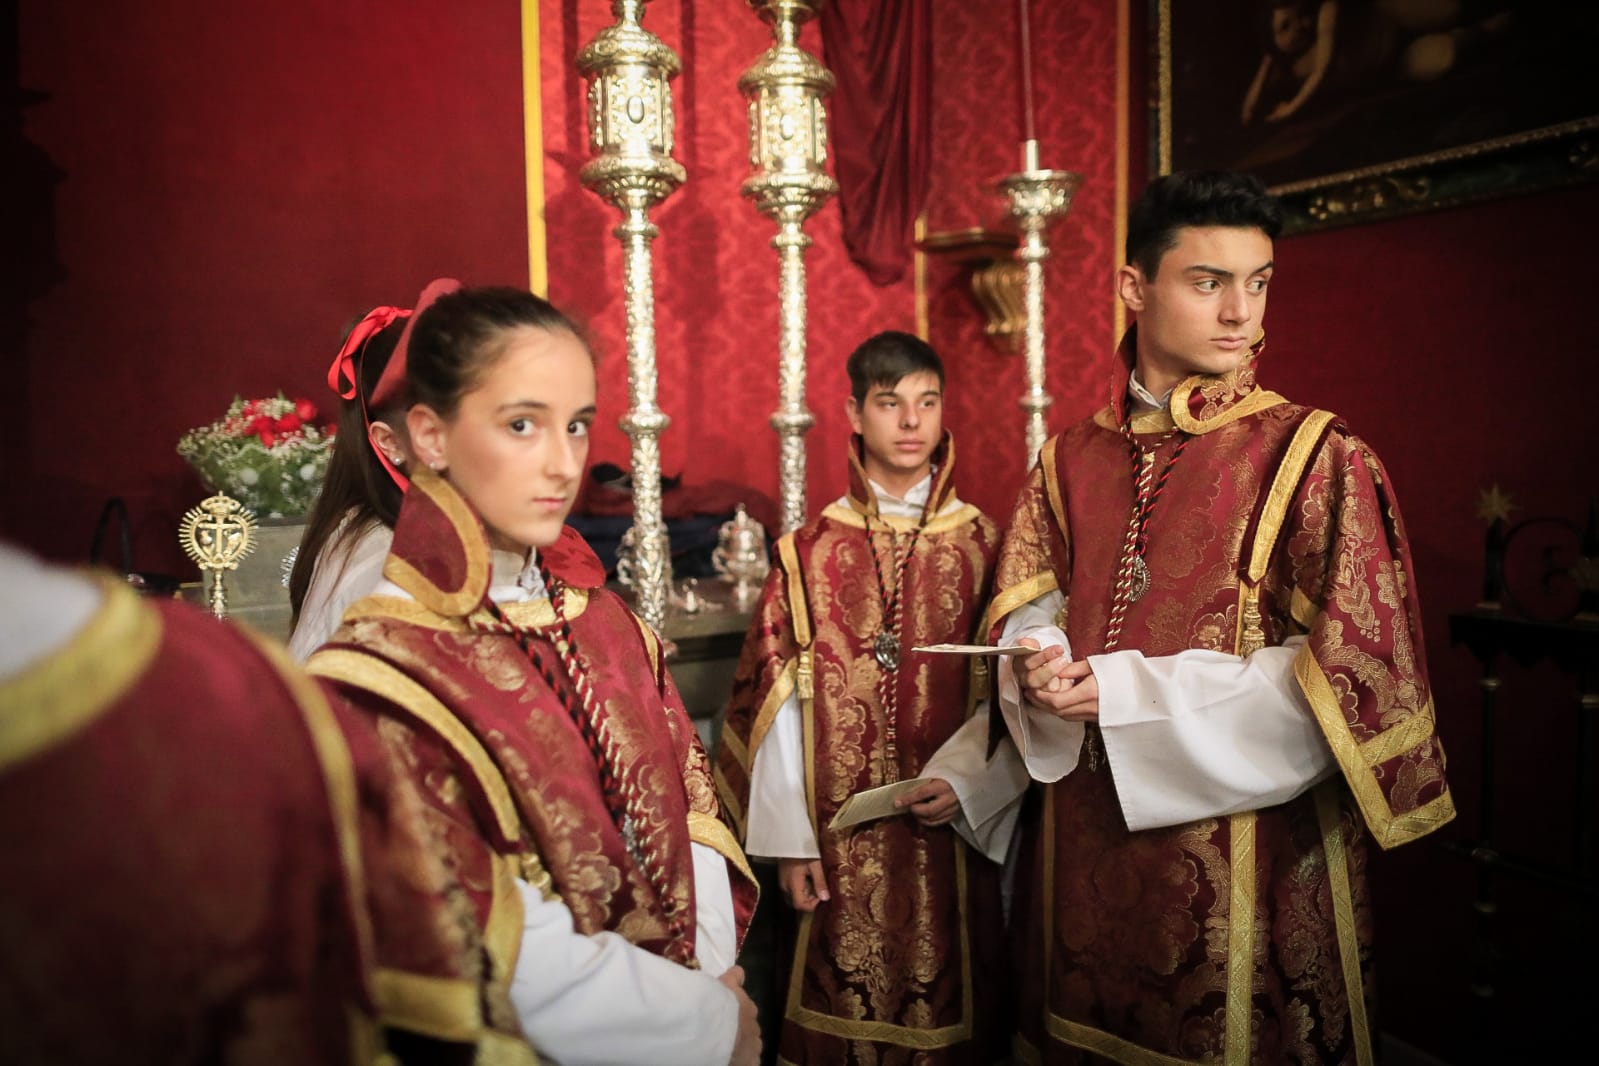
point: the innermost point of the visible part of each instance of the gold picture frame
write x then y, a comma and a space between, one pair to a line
1356, 110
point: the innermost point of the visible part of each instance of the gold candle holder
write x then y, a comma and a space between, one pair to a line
216, 534
630, 133
1037, 199
788, 152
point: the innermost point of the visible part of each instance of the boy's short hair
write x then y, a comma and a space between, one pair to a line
1196, 198
884, 358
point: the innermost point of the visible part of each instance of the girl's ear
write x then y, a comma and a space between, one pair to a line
387, 442
430, 436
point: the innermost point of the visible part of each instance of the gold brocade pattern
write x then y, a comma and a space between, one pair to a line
489, 736
882, 972
1142, 959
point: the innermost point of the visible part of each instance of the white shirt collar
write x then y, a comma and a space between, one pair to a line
1143, 399
516, 579
910, 505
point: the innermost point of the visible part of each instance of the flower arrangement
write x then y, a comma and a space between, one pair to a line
268, 454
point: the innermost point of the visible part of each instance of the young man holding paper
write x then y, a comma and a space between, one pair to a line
831, 701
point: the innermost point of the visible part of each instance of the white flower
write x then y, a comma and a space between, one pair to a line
248, 476
308, 471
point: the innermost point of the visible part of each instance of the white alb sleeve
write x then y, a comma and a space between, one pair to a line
601, 1001
1049, 745
343, 575
778, 823
1201, 734
990, 790
715, 928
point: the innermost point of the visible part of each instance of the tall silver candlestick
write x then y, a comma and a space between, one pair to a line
788, 152
630, 133
1038, 198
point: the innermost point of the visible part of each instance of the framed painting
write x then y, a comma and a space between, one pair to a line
1353, 110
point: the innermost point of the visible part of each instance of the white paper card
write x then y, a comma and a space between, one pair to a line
872, 803
976, 649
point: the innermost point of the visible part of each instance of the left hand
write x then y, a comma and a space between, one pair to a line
933, 802
1079, 702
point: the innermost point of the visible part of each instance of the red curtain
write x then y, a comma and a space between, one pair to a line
881, 53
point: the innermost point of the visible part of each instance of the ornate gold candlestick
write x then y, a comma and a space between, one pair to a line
630, 134
1038, 198
788, 150
216, 534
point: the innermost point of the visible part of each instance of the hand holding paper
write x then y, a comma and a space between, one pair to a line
872, 803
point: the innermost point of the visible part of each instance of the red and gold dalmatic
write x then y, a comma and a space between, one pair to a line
198, 848
510, 783
884, 971
1244, 938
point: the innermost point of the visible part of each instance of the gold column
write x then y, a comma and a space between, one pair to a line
1038, 198
788, 151
630, 134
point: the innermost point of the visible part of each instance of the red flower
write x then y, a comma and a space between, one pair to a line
260, 425
305, 409
330, 429
268, 437
288, 423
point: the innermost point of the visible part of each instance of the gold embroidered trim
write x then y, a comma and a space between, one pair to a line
445, 1008
502, 933
1114, 1048
797, 608
708, 830
381, 679
527, 613
401, 609
724, 791
454, 602
740, 753
781, 689
338, 774
63, 693
1046, 469
1302, 609
1156, 421
1007, 601
1240, 939
652, 644
808, 737
1049, 894
1258, 400
937, 524
1395, 741
1283, 487
1023, 1051
1387, 829
539, 612
1332, 839
888, 1032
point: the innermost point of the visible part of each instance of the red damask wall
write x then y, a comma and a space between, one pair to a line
716, 274
235, 181
977, 130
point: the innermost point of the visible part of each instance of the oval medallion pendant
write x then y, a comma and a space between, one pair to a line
886, 650
1138, 580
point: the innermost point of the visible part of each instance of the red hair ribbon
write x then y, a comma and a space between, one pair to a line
344, 376
394, 373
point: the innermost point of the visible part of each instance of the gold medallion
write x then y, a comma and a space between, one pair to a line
1138, 579
886, 649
